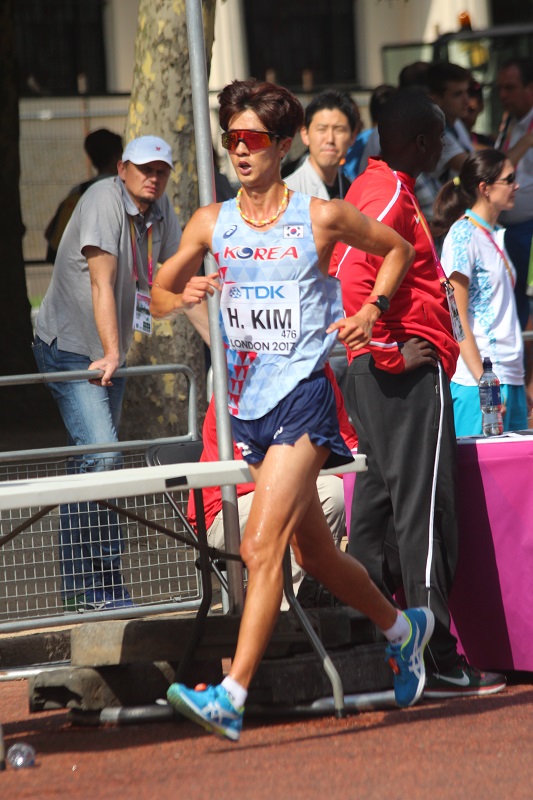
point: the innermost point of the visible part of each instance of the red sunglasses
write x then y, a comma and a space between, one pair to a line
254, 140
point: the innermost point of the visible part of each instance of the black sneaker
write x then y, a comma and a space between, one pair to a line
463, 680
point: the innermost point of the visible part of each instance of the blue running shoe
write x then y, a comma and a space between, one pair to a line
211, 708
115, 590
117, 600
407, 659
97, 600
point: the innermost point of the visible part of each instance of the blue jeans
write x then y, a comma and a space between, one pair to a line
90, 538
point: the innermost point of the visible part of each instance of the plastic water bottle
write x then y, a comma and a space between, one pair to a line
490, 400
21, 755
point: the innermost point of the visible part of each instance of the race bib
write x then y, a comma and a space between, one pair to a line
261, 317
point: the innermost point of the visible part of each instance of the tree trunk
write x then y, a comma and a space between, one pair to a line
20, 403
161, 105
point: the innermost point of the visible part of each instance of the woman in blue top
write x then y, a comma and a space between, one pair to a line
280, 315
483, 277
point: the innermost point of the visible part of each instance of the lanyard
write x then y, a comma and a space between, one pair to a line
134, 252
438, 266
473, 218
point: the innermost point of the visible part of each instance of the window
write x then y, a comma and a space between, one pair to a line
307, 44
60, 47
507, 11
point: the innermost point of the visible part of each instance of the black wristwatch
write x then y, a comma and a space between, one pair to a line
379, 300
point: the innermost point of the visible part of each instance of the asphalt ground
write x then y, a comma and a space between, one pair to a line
468, 748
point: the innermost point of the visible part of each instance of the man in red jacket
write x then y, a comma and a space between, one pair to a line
398, 396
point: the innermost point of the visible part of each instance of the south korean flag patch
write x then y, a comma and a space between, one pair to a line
293, 231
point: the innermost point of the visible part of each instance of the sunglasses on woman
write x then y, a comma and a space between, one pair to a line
254, 140
509, 179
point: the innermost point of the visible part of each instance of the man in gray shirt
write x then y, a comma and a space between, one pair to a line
99, 294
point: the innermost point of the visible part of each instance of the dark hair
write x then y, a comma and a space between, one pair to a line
407, 113
524, 66
101, 146
442, 72
277, 108
457, 195
414, 74
330, 99
378, 98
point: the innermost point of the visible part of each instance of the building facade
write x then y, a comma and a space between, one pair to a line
76, 66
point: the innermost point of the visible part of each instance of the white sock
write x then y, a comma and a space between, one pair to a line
400, 631
237, 692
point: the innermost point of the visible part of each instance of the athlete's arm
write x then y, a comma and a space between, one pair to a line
177, 287
197, 316
338, 220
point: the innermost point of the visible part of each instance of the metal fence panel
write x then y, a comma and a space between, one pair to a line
159, 572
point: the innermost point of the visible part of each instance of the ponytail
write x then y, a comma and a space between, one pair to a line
450, 204
483, 166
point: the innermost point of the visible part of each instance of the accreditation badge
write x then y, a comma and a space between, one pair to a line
142, 319
457, 328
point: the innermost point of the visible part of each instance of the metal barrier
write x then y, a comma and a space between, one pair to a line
158, 570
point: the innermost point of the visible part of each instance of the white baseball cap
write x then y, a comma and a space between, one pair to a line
145, 149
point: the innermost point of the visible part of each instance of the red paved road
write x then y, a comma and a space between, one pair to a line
472, 749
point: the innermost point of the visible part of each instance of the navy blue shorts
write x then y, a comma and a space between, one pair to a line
309, 408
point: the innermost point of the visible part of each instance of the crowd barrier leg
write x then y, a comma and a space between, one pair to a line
299, 613
207, 594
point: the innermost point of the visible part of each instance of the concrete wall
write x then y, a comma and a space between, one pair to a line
120, 28
53, 129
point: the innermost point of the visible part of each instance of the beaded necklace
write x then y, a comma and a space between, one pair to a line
260, 223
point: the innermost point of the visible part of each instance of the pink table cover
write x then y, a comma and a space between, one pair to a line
491, 598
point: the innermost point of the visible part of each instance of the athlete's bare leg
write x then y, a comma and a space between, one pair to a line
343, 575
286, 501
